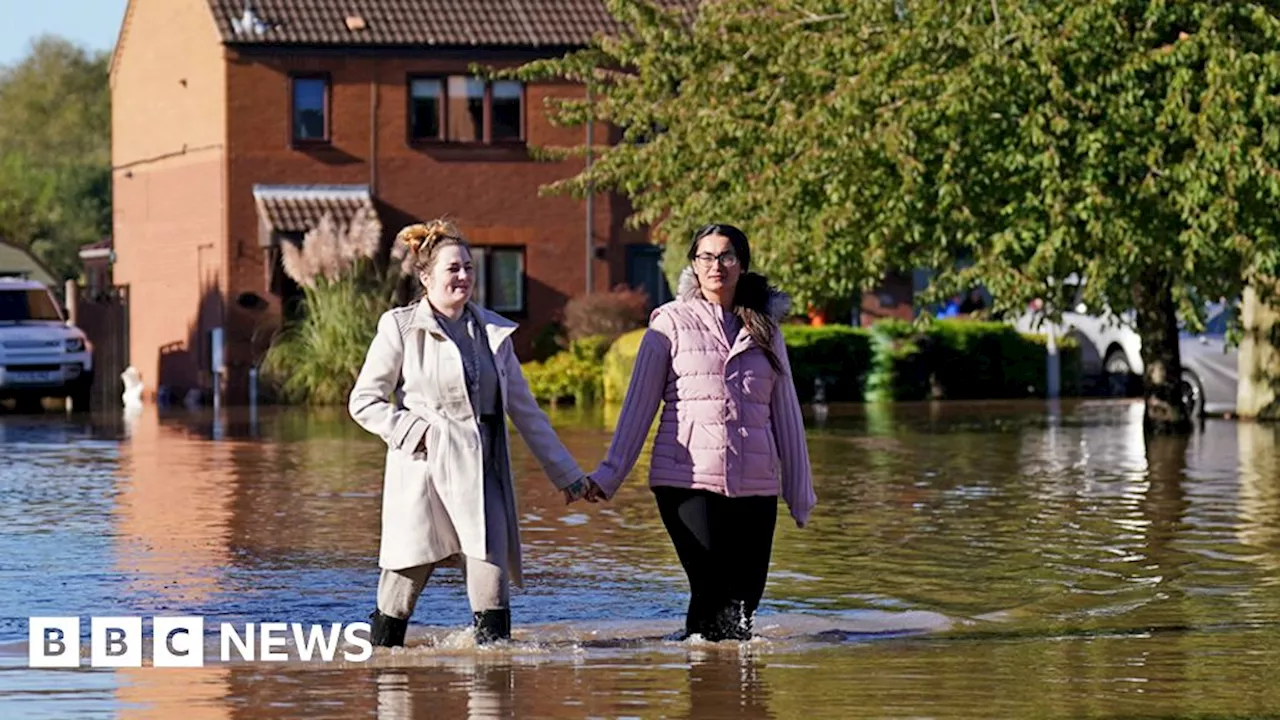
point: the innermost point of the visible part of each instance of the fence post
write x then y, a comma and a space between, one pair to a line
71, 295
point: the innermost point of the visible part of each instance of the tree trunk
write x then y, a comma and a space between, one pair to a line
1258, 395
1162, 371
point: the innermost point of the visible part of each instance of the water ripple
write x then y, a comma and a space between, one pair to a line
1067, 554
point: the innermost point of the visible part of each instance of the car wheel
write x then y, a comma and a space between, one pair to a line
1192, 395
1119, 374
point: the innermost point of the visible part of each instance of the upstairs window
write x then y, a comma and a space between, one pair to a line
310, 109
464, 109
426, 108
507, 117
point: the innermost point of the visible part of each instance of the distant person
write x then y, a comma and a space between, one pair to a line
951, 309
730, 438
973, 303
447, 496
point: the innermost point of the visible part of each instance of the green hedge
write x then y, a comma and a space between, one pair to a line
962, 359
894, 360
617, 365
839, 355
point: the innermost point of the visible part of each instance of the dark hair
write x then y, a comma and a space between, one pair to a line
751, 297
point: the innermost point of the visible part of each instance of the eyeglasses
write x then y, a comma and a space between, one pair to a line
726, 259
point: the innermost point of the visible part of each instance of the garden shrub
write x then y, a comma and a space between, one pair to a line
606, 314
576, 374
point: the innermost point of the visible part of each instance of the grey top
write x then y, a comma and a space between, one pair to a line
477, 362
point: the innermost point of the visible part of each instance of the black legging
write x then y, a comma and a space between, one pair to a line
724, 545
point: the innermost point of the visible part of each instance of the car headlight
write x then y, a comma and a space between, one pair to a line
75, 345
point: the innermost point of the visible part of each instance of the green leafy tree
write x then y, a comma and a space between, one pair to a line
750, 113
1132, 143
55, 152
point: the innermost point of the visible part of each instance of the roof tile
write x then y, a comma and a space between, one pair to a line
511, 23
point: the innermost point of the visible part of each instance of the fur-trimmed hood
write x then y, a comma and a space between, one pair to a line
779, 306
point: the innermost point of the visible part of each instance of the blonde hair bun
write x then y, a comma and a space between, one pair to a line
421, 236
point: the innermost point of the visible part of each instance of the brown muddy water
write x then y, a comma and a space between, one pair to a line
965, 561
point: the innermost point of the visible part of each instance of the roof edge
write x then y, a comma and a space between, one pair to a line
121, 34
278, 45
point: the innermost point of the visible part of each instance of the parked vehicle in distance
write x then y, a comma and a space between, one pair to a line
41, 353
1210, 367
1110, 349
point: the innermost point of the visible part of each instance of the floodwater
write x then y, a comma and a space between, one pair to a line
965, 561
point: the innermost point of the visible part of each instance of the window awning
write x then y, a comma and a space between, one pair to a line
292, 209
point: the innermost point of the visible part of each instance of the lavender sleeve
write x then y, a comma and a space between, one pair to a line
644, 393
788, 434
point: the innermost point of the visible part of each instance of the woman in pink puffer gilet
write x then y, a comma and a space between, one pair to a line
730, 438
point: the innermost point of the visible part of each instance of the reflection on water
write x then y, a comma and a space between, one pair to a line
966, 560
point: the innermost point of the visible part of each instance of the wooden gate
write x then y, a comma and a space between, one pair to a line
103, 314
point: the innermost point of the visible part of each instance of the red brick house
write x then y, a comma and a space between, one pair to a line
237, 124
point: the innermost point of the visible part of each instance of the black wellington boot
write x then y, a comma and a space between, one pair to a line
386, 631
492, 625
731, 623
699, 620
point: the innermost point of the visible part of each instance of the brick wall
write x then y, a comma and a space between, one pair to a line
168, 86
168, 225
491, 192
168, 129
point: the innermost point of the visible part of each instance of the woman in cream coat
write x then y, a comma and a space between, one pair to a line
436, 384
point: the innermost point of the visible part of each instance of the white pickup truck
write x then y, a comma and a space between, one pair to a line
41, 354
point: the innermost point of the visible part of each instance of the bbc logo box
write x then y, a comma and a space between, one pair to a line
54, 642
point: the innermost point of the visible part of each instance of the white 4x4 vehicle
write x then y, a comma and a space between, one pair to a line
41, 354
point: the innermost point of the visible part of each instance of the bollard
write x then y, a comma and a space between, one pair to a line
253, 401
1053, 370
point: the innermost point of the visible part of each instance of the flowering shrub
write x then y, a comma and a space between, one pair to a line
606, 314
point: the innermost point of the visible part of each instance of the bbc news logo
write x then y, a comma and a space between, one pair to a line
54, 642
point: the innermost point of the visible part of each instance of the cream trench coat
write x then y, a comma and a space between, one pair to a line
433, 501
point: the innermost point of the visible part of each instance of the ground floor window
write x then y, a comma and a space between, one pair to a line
500, 278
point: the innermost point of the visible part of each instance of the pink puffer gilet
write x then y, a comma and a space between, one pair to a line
730, 423
715, 430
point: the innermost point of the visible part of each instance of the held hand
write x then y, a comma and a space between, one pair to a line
578, 490
573, 492
594, 493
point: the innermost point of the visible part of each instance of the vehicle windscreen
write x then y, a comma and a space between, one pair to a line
27, 305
